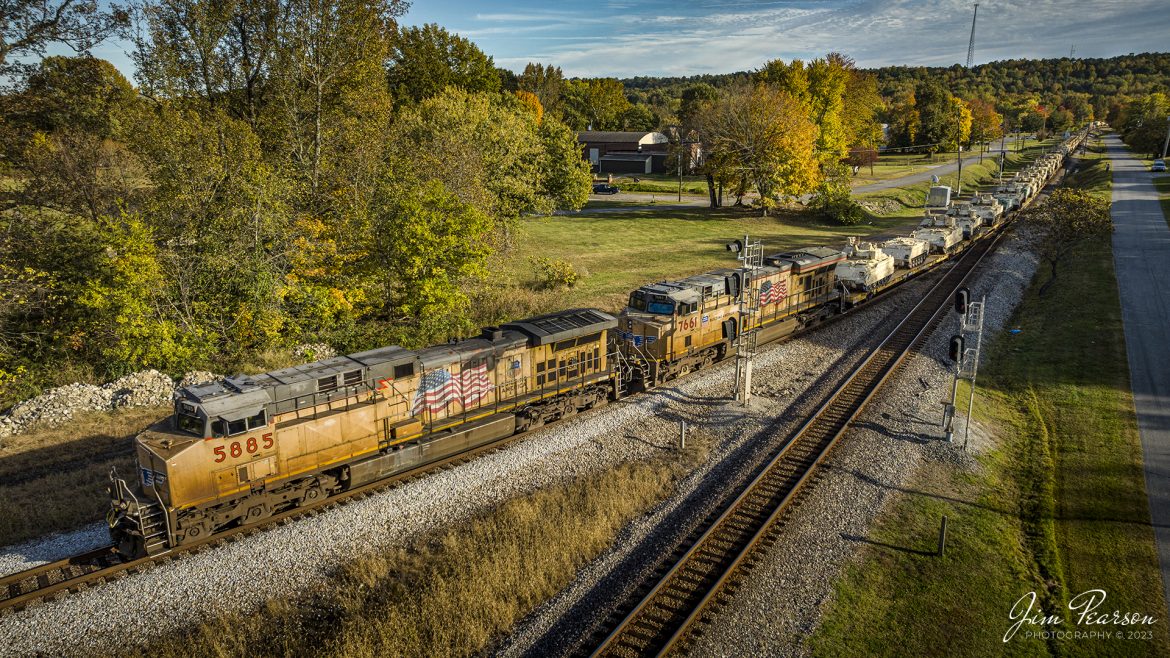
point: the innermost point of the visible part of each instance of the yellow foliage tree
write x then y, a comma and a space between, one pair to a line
530, 102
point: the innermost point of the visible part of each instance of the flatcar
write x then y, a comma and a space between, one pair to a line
241, 450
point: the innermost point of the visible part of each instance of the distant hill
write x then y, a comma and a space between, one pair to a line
1126, 75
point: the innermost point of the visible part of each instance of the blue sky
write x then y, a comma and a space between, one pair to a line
624, 38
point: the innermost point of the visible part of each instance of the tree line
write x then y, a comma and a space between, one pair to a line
280, 171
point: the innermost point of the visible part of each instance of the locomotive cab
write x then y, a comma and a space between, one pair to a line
658, 314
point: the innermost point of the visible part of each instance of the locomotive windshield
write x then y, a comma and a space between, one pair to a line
638, 300
660, 307
651, 303
187, 419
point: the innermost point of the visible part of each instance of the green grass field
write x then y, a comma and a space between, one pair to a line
1057, 506
619, 251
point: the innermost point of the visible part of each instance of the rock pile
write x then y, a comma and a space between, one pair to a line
148, 388
314, 352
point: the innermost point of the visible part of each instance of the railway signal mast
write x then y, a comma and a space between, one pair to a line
751, 254
966, 359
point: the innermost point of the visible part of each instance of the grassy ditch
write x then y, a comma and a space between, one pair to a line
1162, 184
1055, 506
454, 592
54, 480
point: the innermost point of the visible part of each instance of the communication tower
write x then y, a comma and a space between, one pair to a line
971, 43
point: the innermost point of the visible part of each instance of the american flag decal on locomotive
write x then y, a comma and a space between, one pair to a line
438, 388
636, 339
773, 293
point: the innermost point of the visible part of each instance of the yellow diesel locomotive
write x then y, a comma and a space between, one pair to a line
675, 327
241, 450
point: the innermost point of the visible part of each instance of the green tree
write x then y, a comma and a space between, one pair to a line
599, 103
429, 242
639, 117
695, 100
1069, 218
78, 93
567, 178
546, 82
425, 60
1144, 124
225, 215
827, 82
937, 118
29, 27
863, 104
765, 136
119, 298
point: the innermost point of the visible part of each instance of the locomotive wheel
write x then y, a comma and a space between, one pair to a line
255, 513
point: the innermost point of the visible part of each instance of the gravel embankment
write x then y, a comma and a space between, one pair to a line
897, 432
285, 560
789, 380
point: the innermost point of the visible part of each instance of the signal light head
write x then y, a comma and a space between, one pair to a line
962, 298
956, 348
735, 246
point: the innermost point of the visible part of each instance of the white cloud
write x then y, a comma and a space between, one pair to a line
730, 36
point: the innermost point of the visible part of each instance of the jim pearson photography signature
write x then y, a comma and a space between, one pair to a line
1084, 611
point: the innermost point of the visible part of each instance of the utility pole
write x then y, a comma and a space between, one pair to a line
971, 43
959, 149
1166, 143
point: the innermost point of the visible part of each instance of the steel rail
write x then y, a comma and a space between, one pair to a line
662, 619
18, 590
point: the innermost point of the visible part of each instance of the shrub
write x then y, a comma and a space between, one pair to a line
834, 199
554, 274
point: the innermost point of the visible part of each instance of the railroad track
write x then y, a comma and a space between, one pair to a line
664, 617
797, 461
57, 579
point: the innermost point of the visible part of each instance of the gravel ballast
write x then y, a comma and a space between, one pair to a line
781, 603
789, 380
773, 611
286, 560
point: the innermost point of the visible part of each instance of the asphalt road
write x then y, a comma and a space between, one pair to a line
937, 170
1141, 252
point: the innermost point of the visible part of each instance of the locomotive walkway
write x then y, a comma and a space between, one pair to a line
1141, 251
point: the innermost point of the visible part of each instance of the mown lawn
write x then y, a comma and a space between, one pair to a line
1058, 506
615, 252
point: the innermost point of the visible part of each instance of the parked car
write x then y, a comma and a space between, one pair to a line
605, 188
1159, 165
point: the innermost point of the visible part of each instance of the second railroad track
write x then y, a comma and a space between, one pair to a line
662, 620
